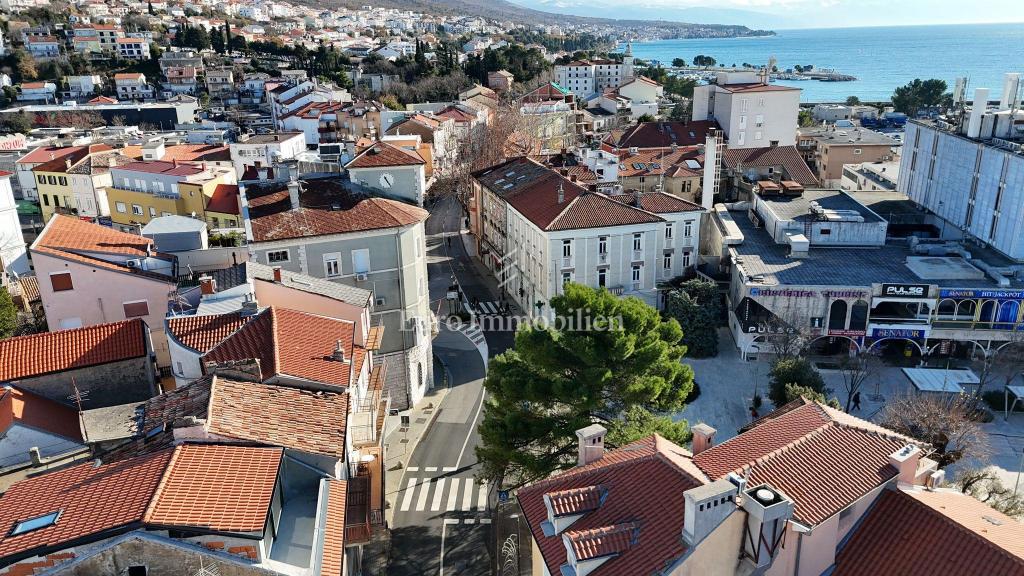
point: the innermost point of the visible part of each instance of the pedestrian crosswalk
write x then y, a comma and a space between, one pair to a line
447, 494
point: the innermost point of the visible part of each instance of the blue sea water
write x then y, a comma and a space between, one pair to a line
881, 58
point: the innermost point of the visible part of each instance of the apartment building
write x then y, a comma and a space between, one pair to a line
265, 149
147, 189
751, 112
133, 48
13, 258
875, 176
132, 86
220, 82
334, 230
75, 184
84, 86
392, 169
828, 149
585, 78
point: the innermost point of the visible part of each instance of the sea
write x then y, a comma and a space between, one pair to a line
881, 58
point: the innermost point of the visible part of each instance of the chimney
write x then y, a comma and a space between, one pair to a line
905, 461
207, 285
250, 307
33, 454
561, 193
703, 438
768, 513
591, 444
978, 109
112, 161
705, 507
277, 274
293, 194
67, 163
638, 198
339, 352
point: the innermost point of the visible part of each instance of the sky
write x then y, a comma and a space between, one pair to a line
780, 14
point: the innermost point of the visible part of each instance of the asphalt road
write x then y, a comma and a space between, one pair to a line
442, 521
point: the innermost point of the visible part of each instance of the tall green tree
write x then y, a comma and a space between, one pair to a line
603, 360
918, 94
8, 315
695, 305
798, 372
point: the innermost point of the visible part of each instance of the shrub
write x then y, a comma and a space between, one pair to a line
797, 371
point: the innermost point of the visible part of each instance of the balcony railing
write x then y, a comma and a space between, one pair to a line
602, 258
566, 261
367, 419
638, 255
358, 516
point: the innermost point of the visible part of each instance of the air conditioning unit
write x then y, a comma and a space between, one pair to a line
361, 277
134, 263
380, 301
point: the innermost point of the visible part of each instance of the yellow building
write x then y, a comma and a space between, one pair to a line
145, 190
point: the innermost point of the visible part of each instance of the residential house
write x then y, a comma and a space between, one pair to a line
659, 135
549, 118
220, 82
181, 59
84, 86
437, 132
133, 48
392, 170
147, 189
45, 92
34, 426
500, 80
117, 273
132, 86
13, 257
43, 47
542, 230
74, 183
782, 164
180, 80
102, 365
828, 149
675, 171
229, 506
634, 99
265, 149
332, 121
587, 77
334, 230
751, 112
25, 165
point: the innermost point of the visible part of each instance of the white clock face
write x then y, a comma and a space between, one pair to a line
386, 180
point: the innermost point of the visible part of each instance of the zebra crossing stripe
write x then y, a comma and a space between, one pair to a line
453, 495
421, 503
481, 501
407, 499
438, 494
467, 496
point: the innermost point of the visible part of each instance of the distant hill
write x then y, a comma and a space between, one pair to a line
505, 10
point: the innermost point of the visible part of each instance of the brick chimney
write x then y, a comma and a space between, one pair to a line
207, 285
591, 444
277, 274
703, 438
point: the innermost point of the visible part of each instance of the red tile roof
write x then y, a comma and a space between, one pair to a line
630, 474
91, 499
186, 153
76, 155
47, 153
671, 163
922, 533
576, 500
224, 199
788, 157
756, 87
333, 557
313, 422
821, 458
223, 488
273, 219
22, 407
663, 134
49, 352
202, 333
383, 154
162, 167
604, 541
658, 202
69, 238
287, 342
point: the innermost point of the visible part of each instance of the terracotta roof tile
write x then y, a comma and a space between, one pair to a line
202, 333
273, 219
223, 488
34, 411
630, 474
73, 239
91, 500
576, 500
788, 157
589, 210
164, 167
658, 202
604, 541
224, 199
383, 154
37, 354
663, 134
924, 533
47, 153
333, 557
313, 422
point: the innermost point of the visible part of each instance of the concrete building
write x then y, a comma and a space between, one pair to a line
132, 86
265, 149
751, 112
588, 77
828, 149
392, 170
84, 86
875, 176
13, 257
163, 114
141, 191
334, 230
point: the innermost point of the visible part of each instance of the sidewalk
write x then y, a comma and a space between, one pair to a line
399, 442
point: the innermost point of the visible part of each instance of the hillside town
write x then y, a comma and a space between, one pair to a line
290, 289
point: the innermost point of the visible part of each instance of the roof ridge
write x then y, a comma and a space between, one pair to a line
274, 340
593, 466
562, 212
158, 491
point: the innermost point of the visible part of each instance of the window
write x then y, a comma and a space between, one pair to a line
136, 308
36, 523
638, 241
152, 213
62, 180
688, 229
361, 261
668, 231
686, 259
276, 256
857, 150
56, 201
637, 284
757, 135
137, 210
566, 248
61, 281
51, 180
332, 265
666, 263
566, 278
602, 277
46, 200
120, 207
602, 245
41, 179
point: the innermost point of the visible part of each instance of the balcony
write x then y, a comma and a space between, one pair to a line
567, 262
368, 413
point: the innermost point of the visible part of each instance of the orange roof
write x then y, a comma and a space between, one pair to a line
47, 153
186, 153
920, 533
202, 333
129, 76
91, 499
49, 352
310, 341
383, 154
787, 451
223, 488
80, 241
224, 199
333, 557
313, 422
28, 409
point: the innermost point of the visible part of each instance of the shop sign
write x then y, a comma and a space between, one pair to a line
798, 293
848, 333
905, 290
982, 293
912, 333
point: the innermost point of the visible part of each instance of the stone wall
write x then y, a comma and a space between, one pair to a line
104, 385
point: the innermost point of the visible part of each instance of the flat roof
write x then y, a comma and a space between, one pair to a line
798, 208
847, 136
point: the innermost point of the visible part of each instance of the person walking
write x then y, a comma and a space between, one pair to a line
856, 401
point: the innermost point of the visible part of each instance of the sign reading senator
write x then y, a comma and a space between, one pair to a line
898, 333
982, 293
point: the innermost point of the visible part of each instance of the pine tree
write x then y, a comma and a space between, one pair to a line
8, 315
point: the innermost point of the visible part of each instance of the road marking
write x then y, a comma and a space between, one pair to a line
412, 469
438, 493
430, 469
469, 521
421, 503
458, 463
453, 495
444, 527
481, 501
485, 520
449, 469
467, 496
407, 499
